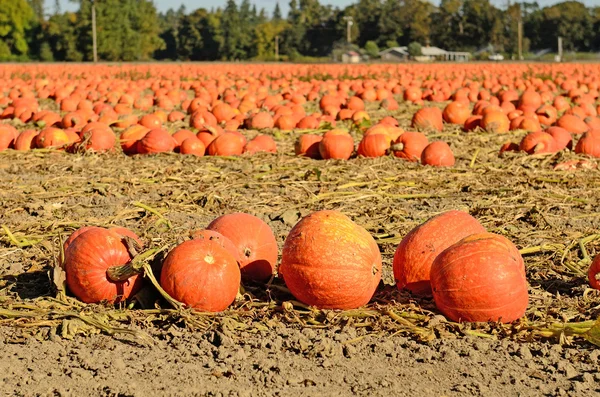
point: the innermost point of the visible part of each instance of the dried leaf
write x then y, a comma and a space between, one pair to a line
593, 334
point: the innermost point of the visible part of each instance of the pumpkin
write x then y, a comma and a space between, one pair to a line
562, 138
308, 145
538, 142
97, 139
193, 146
437, 154
202, 275
480, 278
260, 121
336, 144
456, 113
530, 99
52, 138
130, 137
155, 141
308, 123
226, 144
87, 259
181, 136
547, 115
409, 146
151, 121
589, 144
593, 273
255, 242
330, 262
261, 143
25, 140
226, 243
374, 145
508, 147
285, 123
419, 248
496, 122
572, 123
472, 123
428, 119
208, 135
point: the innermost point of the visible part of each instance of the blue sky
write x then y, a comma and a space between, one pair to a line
164, 5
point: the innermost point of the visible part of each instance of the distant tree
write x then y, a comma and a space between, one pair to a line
570, 20
414, 49
277, 13
16, 18
372, 49
232, 44
38, 8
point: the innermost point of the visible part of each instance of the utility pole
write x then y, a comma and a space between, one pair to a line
520, 37
277, 48
560, 50
94, 40
349, 23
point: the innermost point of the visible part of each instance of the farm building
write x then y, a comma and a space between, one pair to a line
351, 57
428, 53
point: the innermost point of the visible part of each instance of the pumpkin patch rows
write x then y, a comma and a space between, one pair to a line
415, 193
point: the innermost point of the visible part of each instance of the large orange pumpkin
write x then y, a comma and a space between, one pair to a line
438, 154
226, 144
428, 119
589, 144
409, 146
480, 278
330, 262
201, 274
308, 145
374, 145
255, 242
336, 144
87, 259
156, 141
538, 142
419, 248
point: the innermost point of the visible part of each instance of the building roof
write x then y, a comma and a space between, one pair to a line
352, 53
432, 51
425, 51
401, 50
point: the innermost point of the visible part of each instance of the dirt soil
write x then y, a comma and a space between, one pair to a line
268, 344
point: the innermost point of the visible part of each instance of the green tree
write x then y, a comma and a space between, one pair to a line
232, 44
372, 49
414, 49
277, 13
16, 18
570, 20
61, 35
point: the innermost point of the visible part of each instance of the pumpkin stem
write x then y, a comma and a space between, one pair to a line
135, 266
397, 147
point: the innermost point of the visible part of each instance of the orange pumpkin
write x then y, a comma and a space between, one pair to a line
593, 273
130, 137
589, 144
181, 136
496, 122
87, 259
330, 262
481, 278
226, 144
374, 145
428, 119
25, 140
255, 242
261, 143
308, 145
202, 275
155, 141
409, 146
538, 142
573, 124
437, 154
192, 145
562, 138
456, 113
260, 121
336, 144
226, 243
52, 138
419, 248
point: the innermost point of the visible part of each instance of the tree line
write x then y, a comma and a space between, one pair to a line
133, 30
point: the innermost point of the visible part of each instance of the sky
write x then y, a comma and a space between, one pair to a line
164, 5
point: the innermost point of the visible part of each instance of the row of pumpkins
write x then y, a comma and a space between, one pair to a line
327, 261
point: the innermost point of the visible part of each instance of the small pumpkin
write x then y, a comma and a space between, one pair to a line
374, 145
480, 278
496, 122
260, 121
419, 248
437, 154
589, 144
255, 242
261, 143
409, 146
428, 119
456, 113
226, 144
562, 138
52, 138
330, 262
202, 275
192, 146
336, 144
25, 140
538, 142
308, 145
130, 137
155, 141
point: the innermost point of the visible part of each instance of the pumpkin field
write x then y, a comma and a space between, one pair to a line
288, 230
